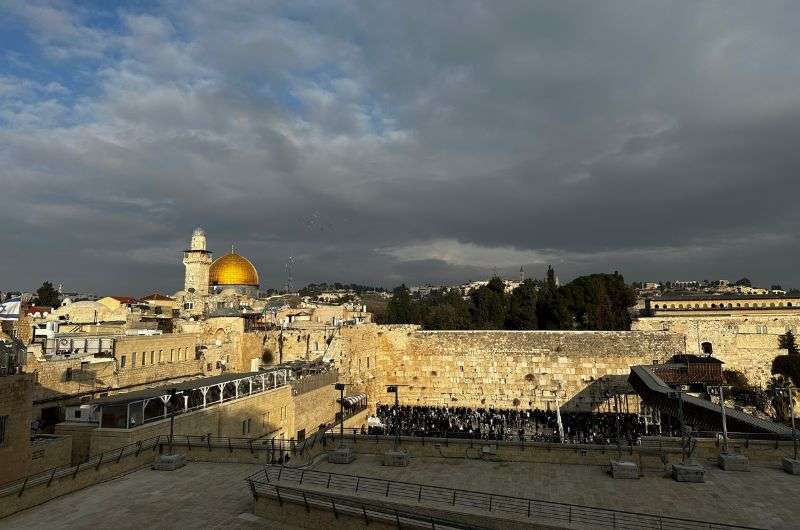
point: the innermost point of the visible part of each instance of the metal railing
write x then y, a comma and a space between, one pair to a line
106, 457
276, 447
370, 512
482, 501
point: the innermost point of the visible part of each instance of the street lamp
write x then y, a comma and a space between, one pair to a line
789, 391
340, 388
724, 417
394, 389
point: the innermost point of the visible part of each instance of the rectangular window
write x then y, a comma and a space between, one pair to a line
249, 426
144, 358
171, 353
152, 357
161, 356
264, 421
122, 361
133, 359
3, 423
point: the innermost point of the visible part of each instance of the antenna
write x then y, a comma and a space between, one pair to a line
289, 279
521, 274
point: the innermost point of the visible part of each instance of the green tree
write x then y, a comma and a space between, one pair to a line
600, 301
778, 390
788, 365
744, 282
400, 309
787, 342
522, 307
489, 305
551, 307
47, 295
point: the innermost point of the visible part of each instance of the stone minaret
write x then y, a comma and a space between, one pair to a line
197, 261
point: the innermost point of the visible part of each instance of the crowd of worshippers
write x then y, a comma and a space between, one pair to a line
510, 424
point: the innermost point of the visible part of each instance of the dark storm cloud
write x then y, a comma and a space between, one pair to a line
416, 142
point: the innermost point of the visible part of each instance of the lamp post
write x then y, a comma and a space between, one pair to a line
790, 390
394, 389
172, 393
340, 388
794, 429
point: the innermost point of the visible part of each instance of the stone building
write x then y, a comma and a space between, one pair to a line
741, 330
15, 417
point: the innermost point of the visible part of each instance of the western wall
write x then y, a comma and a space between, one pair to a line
490, 368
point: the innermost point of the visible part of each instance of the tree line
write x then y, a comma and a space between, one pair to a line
593, 302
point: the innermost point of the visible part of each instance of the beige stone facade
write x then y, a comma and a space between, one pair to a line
745, 342
16, 394
490, 368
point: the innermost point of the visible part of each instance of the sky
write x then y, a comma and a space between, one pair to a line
390, 142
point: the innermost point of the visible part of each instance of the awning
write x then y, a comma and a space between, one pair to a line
352, 401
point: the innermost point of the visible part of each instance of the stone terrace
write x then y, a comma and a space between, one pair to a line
215, 495
200, 495
763, 497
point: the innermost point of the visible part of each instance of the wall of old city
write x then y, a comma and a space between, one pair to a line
294, 344
747, 343
16, 392
490, 368
366, 355
523, 368
314, 408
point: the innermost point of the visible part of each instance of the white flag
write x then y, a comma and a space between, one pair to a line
9, 310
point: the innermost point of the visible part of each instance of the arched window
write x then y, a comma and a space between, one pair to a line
788, 304
707, 348
713, 306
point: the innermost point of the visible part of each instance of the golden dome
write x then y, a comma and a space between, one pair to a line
232, 269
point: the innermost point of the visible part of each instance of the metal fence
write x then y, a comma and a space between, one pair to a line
275, 447
370, 512
474, 500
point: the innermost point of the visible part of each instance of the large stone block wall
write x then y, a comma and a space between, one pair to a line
314, 408
16, 392
490, 368
747, 343
367, 353
523, 368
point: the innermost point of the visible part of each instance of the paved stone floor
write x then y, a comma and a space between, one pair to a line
763, 497
199, 495
214, 495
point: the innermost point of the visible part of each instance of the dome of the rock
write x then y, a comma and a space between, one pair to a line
233, 269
